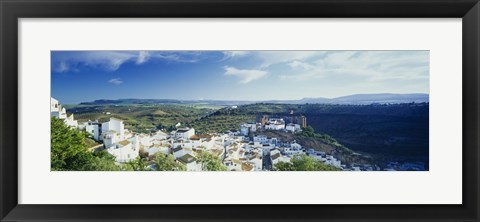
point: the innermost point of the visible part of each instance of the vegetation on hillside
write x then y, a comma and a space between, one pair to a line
220, 123
143, 118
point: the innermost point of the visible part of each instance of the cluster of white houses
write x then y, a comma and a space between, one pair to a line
270, 124
239, 151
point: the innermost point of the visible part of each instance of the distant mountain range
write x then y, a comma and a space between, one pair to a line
356, 99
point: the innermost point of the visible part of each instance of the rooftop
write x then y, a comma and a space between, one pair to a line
187, 158
124, 142
183, 130
247, 167
276, 156
200, 136
176, 149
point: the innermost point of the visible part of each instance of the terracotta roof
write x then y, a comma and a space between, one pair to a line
247, 167
124, 142
200, 136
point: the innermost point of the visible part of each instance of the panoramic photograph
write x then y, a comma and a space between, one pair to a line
151, 110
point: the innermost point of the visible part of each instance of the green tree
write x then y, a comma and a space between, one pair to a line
304, 163
103, 161
164, 162
308, 131
68, 149
210, 162
139, 164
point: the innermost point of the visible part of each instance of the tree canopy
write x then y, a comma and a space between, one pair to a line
69, 151
210, 162
304, 163
166, 162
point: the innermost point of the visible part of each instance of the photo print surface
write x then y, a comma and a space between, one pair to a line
240, 110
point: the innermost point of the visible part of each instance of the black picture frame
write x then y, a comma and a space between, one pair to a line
12, 10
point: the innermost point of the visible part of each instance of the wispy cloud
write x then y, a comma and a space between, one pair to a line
371, 65
143, 56
270, 58
116, 81
234, 54
303, 65
113, 60
245, 75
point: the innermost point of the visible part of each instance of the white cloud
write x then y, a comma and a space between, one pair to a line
372, 65
245, 75
270, 58
303, 65
233, 54
113, 60
116, 81
143, 56
62, 67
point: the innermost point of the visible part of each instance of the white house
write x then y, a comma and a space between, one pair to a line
181, 151
260, 138
110, 137
124, 151
112, 131
115, 125
257, 160
145, 139
233, 164
58, 111
277, 157
190, 162
93, 128
330, 160
152, 150
185, 133
293, 128
160, 135
247, 128
275, 124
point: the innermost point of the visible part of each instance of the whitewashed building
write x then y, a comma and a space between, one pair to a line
190, 162
275, 124
57, 110
93, 128
124, 151
293, 128
114, 125
112, 132
154, 149
184, 133
247, 128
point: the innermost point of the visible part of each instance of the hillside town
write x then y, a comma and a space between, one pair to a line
244, 150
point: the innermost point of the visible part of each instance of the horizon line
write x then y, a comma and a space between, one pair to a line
247, 100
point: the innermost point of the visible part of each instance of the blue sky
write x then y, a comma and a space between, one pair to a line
80, 76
